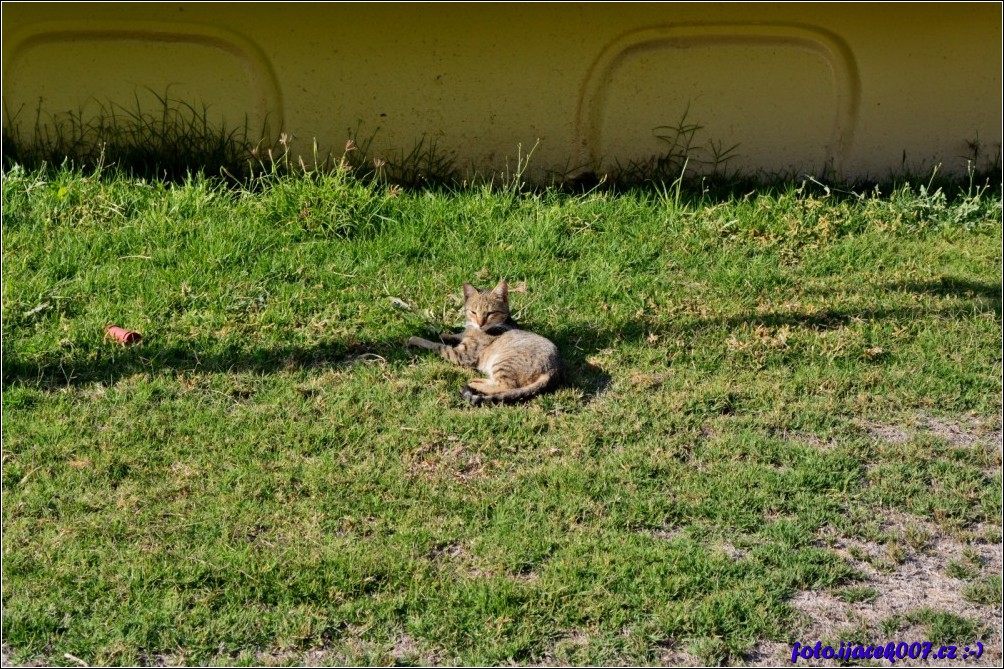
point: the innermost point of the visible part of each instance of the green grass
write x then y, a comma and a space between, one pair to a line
986, 591
270, 470
961, 570
854, 594
946, 628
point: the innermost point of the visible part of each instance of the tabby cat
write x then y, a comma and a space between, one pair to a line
519, 364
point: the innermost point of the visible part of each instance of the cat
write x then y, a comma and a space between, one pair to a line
519, 364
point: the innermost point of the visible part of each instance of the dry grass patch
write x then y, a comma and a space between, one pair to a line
904, 577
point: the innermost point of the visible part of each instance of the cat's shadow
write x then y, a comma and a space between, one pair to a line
578, 373
586, 377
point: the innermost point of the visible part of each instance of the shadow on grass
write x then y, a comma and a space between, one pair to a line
950, 286
582, 341
108, 362
582, 375
577, 342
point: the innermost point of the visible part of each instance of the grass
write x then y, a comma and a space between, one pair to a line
271, 473
156, 136
987, 591
854, 594
943, 627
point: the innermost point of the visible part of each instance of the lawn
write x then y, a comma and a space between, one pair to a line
780, 423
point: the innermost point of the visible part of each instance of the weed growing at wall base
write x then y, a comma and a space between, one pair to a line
158, 137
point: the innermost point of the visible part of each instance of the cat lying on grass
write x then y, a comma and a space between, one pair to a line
518, 364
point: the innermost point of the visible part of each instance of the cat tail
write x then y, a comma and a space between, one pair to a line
515, 395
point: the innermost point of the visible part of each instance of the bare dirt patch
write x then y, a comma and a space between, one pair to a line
894, 434
563, 647
669, 533
446, 456
961, 431
6, 656
913, 575
449, 551
679, 656
407, 650
810, 440
953, 433
729, 550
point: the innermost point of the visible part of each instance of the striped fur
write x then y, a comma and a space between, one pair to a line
518, 364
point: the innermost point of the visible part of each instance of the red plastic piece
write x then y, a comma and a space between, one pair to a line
123, 336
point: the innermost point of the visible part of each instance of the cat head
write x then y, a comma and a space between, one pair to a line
485, 308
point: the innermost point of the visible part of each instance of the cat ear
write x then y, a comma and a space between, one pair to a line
502, 290
469, 290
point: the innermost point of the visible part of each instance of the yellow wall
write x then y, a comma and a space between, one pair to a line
791, 86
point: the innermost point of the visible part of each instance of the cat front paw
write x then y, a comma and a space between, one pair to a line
418, 342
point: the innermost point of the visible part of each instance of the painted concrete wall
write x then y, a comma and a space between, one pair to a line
866, 89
